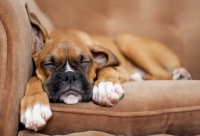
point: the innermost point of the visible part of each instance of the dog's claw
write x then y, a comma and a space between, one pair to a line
107, 93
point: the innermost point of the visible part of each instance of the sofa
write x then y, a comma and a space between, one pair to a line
148, 108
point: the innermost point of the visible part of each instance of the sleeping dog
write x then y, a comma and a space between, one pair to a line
73, 66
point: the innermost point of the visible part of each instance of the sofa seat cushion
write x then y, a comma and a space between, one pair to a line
151, 107
87, 133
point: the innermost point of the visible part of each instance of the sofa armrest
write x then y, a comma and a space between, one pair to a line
16, 63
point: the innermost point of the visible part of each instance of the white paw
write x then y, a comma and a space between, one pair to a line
136, 77
181, 74
35, 117
107, 93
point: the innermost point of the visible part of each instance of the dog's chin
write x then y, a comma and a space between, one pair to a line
70, 97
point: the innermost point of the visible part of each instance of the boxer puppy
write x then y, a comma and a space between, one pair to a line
72, 66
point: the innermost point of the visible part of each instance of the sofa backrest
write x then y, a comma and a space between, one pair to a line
174, 23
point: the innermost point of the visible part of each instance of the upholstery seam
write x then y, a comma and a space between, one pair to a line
3, 94
129, 114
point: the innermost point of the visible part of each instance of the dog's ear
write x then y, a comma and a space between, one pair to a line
40, 34
103, 56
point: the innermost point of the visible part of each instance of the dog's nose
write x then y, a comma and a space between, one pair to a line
69, 77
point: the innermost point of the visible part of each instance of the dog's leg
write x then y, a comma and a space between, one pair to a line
35, 107
153, 57
148, 64
107, 89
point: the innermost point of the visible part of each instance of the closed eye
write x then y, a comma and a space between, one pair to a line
86, 61
83, 60
50, 64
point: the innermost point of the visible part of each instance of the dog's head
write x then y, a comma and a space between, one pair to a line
66, 66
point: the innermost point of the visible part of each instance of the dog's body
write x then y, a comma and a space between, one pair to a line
74, 66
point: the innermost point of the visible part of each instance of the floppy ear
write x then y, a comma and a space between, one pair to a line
103, 56
40, 34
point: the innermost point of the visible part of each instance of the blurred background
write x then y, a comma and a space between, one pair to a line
174, 23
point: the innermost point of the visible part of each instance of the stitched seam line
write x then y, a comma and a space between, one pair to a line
128, 114
3, 94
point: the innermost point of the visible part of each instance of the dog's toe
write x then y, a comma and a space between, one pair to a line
181, 74
119, 90
35, 117
107, 93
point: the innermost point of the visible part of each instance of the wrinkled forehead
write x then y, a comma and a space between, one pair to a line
65, 46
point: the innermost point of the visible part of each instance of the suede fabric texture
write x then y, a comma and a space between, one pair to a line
152, 107
174, 23
16, 63
87, 133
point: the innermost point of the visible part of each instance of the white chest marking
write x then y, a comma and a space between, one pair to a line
68, 67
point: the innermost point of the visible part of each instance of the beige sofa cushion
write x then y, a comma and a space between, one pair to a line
151, 107
87, 133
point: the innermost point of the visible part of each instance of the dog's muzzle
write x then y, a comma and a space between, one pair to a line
69, 87
70, 96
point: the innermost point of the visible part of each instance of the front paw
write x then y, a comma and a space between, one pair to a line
107, 93
34, 113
